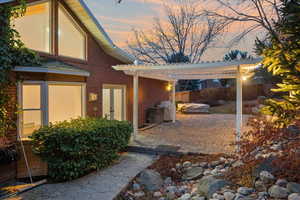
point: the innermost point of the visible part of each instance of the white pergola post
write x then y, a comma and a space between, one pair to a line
174, 101
239, 104
135, 104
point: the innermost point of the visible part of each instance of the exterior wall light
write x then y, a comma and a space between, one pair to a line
169, 87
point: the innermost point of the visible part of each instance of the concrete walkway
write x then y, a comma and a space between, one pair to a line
102, 185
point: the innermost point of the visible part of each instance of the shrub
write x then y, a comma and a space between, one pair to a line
265, 140
73, 149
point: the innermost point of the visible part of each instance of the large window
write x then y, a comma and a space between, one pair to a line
34, 27
65, 102
71, 39
43, 103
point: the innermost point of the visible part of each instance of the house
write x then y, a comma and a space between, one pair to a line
76, 78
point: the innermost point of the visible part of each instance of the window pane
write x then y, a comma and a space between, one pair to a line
31, 96
34, 27
118, 104
65, 102
106, 103
71, 40
31, 121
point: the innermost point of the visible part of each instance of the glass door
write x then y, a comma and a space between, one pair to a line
113, 102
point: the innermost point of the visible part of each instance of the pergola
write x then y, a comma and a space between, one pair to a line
183, 71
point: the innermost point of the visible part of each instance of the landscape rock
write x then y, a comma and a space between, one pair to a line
150, 179
192, 173
266, 177
168, 181
263, 194
203, 164
245, 190
278, 192
294, 196
139, 194
207, 172
229, 195
187, 164
157, 194
198, 198
237, 163
208, 185
265, 165
293, 187
218, 196
136, 187
260, 186
171, 189
281, 182
186, 196
171, 195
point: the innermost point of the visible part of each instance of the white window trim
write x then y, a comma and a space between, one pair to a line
77, 26
45, 101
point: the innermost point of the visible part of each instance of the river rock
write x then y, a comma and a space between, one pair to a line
208, 185
229, 195
293, 187
157, 194
266, 177
192, 173
186, 196
150, 179
278, 192
281, 182
260, 186
294, 196
187, 164
245, 190
139, 194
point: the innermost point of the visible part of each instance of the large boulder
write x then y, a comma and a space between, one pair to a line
150, 179
208, 185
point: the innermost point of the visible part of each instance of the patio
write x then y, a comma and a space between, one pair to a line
202, 133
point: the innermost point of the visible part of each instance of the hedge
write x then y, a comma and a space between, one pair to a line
77, 147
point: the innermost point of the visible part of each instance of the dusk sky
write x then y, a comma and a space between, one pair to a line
119, 19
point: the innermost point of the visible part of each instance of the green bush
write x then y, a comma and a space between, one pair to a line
73, 149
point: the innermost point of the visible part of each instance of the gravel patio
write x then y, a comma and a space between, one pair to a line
203, 133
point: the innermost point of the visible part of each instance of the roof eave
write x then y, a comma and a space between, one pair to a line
53, 71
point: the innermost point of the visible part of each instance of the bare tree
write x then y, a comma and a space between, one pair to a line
259, 14
187, 32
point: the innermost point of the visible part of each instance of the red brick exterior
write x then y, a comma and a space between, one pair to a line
99, 64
